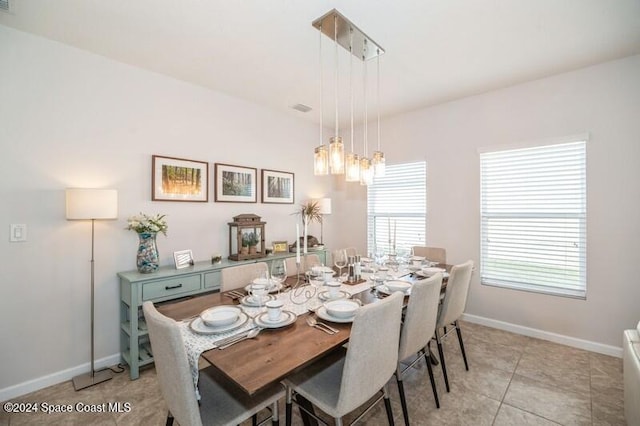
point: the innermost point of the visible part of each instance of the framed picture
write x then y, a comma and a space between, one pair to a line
235, 184
280, 247
183, 258
277, 187
177, 179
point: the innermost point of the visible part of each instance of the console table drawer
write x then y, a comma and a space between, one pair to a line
170, 287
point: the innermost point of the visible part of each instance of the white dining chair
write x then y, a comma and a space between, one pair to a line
241, 275
452, 308
434, 254
417, 330
340, 383
312, 260
221, 403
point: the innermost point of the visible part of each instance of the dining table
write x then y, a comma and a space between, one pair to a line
256, 363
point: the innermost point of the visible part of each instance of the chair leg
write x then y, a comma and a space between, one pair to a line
427, 357
387, 405
288, 406
169, 419
444, 367
403, 400
338, 421
464, 355
254, 420
275, 421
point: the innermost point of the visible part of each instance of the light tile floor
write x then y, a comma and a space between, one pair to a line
513, 380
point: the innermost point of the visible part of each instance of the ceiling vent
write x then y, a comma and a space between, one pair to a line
301, 107
5, 6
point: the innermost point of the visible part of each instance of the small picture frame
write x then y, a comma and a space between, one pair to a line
235, 184
280, 247
277, 187
183, 258
177, 179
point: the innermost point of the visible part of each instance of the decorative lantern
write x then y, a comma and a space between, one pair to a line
246, 237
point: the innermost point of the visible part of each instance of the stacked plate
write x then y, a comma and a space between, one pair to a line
340, 311
219, 319
286, 318
393, 286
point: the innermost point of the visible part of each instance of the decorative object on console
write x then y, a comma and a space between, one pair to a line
183, 258
246, 232
277, 187
280, 247
177, 179
235, 183
91, 204
147, 227
216, 258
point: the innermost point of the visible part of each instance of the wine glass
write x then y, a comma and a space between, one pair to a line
278, 272
340, 259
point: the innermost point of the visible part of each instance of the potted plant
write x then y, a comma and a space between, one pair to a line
249, 242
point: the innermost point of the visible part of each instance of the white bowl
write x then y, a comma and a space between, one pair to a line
429, 271
342, 308
220, 316
396, 285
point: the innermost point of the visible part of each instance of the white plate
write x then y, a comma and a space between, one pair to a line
322, 313
200, 327
427, 272
251, 302
343, 308
286, 318
324, 295
219, 316
273, 289
398, 283
422, 274
385, 290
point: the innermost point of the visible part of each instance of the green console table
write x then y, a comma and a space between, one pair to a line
167, 283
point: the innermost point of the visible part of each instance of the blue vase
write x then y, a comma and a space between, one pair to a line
147, 258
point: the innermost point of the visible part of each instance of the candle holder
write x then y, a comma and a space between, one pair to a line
301, 292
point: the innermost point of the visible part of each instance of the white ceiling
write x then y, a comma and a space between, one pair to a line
266, 51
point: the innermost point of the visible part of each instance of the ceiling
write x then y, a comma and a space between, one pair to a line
267, 52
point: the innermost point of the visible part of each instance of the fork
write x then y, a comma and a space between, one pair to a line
234, 294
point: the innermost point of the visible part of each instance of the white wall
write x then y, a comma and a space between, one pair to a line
603, 100
72, 119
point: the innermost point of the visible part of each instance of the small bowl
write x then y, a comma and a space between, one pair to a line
429, 271
342, 308
220, 316
401, 286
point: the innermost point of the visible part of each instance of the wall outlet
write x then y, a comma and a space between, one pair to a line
18, 233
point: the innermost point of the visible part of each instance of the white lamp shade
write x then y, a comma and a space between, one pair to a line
91, 204
325, 205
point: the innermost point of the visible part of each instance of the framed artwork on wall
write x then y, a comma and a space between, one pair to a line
235, 184
177, 179
277, 187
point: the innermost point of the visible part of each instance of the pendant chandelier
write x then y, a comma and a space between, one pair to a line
332, 159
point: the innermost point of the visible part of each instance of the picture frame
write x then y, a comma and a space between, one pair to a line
277, 187
183, 258
280, 247
235, 184
179, 179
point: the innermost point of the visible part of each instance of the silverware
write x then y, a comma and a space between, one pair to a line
234, 294
250, 335
232, 338
320, 326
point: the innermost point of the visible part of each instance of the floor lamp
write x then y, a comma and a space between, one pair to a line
91, 204
325, 209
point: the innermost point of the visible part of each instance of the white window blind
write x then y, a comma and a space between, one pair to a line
397, 206
533, 219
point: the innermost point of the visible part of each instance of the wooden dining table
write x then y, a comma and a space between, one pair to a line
254, 364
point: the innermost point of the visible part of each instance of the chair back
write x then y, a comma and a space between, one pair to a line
172, 366
241, 275
312, 260
434, 254
372, 355
455, 297
420, 316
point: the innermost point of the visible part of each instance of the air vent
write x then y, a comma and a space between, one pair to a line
5, 6
301, 107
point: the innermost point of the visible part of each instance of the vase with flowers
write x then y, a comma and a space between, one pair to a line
147, 228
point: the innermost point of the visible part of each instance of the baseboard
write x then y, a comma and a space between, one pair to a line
55, 378
546, 335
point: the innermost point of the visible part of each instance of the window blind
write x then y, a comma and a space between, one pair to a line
533, 219
396, 208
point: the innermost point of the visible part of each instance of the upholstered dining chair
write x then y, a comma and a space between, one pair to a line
221, 402
340, 383
241, 275
452, 308
416, 333
434, 254
312, 260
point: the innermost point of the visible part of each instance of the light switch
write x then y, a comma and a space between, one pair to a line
18, 232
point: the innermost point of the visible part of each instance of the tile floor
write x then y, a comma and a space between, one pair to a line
513, 380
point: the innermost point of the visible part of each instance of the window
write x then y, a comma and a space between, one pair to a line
397, 208
533, 218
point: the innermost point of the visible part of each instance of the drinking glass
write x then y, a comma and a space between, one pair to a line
340, 259
278, 272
